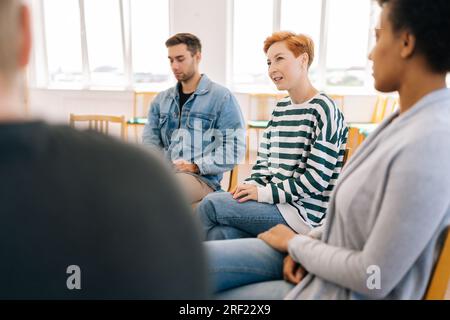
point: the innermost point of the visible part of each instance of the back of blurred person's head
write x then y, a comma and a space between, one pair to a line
14, 40
72, 198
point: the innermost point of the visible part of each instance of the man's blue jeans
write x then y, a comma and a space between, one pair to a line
246, 269
223, 217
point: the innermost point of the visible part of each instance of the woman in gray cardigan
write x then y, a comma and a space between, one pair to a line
390, 208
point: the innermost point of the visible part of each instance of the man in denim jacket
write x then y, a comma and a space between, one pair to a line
198, 124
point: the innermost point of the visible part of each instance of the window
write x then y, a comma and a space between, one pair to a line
347, 42
340, 52
63, 48
103, 42
303, 16
249, 33
149, 53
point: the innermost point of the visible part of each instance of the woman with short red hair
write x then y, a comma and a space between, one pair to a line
299, 159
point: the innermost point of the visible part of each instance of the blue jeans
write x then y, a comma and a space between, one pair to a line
223, 217
246, 269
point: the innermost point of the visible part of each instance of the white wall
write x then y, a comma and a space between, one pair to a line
56, 105
207, 19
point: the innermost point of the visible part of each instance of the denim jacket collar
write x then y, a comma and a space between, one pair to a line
203, 87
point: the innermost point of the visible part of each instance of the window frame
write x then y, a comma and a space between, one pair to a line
39, 76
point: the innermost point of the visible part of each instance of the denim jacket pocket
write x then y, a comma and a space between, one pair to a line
197, 120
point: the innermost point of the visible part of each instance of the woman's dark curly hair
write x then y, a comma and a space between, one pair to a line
429, 21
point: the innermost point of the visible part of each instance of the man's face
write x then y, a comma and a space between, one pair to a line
184, 65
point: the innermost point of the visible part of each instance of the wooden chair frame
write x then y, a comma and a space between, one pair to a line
100, 123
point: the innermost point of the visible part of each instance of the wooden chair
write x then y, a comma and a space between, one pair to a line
347, 155
384, 106
355, 138
141, 105
100, 123
441, 275
233, 181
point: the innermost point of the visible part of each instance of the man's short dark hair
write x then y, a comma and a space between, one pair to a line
192, 42
429, 21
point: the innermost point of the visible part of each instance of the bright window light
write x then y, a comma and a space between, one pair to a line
63, 40
251, 27
150, 30
104, 42
348, 42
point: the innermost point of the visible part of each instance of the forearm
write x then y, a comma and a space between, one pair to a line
337, 265
207, 166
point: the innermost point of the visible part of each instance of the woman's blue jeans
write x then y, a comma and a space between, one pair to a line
246, 269
223, 217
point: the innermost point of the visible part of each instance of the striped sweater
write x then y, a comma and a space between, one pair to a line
299, 159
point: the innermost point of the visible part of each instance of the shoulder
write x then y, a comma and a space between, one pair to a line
323, 103
419, 141
429, 128
212, 90
165, 94
284, 102
324, 108
219, 90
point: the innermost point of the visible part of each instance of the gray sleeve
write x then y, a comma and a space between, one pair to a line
415, 202
316, 233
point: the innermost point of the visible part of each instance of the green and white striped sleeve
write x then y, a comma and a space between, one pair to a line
261, 175
319, 170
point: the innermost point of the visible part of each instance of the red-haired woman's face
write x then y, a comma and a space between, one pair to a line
285, 70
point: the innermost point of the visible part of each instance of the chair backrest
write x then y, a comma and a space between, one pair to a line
141, 103
347, 155
439, 281
100, 123
355, 138
384, 106
233, 181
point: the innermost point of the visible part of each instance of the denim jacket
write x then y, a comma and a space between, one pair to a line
210, 131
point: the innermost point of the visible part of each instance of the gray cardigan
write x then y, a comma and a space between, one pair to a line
389, 209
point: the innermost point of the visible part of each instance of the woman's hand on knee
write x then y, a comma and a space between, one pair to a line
245, 192
293, 272
278, 237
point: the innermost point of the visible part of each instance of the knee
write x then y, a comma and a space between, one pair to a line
205, 209
213, 206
